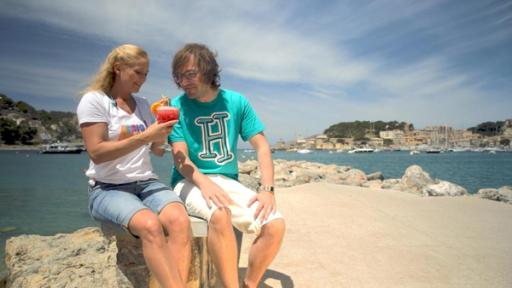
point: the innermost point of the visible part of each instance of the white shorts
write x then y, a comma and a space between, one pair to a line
242, 216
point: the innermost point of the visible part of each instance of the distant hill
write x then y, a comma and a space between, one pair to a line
362, 130
20, 123
489, 128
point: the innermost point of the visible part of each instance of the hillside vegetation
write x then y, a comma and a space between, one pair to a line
362, 130
20, 123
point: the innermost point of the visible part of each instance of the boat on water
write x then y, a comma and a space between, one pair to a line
361, 150
433, 151
61, 148
304, 151
414, 152
460, 149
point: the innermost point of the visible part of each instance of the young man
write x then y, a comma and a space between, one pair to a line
206, 167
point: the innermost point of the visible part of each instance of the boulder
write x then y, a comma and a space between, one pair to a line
306, 175
329, 169
373, 184
336, 178
247, 167
489, 194
92, 257
248, 181
444, 188
414, 179
342, 169
505, 194
391, 184
502, 194
81, 259
281, 173
375, 176
354, 177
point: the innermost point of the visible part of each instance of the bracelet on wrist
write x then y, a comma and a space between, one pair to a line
266, 188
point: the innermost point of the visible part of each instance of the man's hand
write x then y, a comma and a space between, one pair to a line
266, 205
213, 193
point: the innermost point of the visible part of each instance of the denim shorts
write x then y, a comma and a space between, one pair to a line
117, 203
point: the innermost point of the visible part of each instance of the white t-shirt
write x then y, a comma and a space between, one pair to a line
97, 107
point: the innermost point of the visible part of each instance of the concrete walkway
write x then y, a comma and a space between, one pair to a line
345, 236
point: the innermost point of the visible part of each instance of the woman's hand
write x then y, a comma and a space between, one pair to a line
158, 132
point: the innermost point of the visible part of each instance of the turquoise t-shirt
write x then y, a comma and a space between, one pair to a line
211, 131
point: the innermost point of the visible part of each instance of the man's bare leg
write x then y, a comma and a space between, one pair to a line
222, 247
263, 251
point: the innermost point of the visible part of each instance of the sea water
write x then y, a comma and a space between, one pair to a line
47, 193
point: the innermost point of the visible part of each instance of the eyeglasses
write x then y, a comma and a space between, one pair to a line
189, 75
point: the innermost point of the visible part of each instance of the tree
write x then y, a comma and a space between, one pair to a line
26, 132
25, 108
488, 128
359, 129
505, 142
9, 131
5, 102
12, 133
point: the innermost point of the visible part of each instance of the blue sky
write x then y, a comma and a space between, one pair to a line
304, 65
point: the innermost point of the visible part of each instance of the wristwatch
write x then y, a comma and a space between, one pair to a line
266, 188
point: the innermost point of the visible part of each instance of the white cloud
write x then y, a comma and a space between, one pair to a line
308, 55
48, 81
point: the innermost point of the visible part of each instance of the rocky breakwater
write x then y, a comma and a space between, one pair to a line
291, 173
415, 180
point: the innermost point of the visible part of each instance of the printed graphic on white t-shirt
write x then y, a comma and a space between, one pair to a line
96, 107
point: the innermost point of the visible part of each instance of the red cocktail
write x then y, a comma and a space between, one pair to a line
167, 113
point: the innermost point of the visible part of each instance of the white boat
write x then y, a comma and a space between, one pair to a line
61, 148
459, 149
361, 150
304, 151
492, 150
414, 152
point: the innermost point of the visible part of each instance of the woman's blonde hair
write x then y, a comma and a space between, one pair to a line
126, 54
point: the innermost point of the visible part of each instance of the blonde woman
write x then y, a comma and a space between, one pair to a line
119, 133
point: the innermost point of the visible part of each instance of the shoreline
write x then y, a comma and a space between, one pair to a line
19, 147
